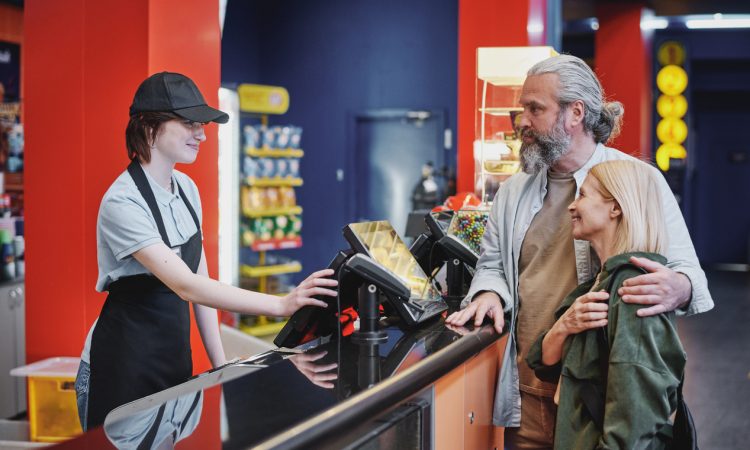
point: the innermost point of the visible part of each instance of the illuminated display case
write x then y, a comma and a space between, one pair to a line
501, 72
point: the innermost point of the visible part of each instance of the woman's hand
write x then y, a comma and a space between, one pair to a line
302, 295
318, 374
585, 313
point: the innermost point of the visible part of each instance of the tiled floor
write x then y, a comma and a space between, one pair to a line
717, 380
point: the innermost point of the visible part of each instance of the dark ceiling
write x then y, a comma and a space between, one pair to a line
581, 9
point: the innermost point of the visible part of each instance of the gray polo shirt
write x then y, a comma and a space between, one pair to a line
126, 225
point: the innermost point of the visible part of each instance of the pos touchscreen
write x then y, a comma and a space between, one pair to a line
381, 242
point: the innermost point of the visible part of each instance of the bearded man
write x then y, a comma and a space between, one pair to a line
530, 260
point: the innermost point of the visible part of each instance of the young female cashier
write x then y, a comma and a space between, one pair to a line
151, 260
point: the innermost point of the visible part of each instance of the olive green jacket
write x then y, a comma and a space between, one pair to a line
646, 363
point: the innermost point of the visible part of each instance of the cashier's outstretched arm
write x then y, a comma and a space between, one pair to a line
207, 320
173, 272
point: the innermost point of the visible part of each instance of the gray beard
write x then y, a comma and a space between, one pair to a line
546, 149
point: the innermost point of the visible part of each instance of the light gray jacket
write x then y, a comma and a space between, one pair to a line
517, 202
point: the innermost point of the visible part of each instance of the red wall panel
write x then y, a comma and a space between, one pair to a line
623, 64
488, 23
85, 60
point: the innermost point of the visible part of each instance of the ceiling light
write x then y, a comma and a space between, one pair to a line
654, 23
718, 20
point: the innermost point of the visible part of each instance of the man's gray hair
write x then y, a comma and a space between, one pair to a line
576, 81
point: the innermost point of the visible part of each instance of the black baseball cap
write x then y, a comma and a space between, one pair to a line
176, 93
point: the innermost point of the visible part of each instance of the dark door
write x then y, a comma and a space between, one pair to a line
721, 185
391, 146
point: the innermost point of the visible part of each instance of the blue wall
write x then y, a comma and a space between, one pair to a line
336, 58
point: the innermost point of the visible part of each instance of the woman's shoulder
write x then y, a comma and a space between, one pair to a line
123, 188
621, 264
122, 197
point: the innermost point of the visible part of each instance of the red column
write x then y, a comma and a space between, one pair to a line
623, 64
84, 61
488, 23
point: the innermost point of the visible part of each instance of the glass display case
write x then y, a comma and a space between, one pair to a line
501, 72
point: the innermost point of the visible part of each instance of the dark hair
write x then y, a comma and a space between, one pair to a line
142, 130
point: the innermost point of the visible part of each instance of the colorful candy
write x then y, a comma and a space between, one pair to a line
468, 225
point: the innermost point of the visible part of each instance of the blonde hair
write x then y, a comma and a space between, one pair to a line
633, 185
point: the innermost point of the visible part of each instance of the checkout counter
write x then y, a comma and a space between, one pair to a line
404, 381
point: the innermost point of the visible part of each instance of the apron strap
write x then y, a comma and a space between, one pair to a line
189, 206
136, 172
148, 440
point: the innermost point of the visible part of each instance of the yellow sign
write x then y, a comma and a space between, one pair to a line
672, 80
671, 52
672, 106
256, 98
671, 131
666, 152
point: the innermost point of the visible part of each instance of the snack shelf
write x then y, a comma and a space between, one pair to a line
276, 244
265, 271
267, 152
263, 330
272, 212
272, 182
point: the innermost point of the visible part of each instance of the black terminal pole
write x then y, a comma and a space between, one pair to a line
368, 370
369, 317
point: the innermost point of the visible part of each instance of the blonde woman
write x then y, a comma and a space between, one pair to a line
625, 399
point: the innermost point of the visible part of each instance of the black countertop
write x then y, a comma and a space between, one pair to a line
292, 400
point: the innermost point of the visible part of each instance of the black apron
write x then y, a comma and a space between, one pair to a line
141, 342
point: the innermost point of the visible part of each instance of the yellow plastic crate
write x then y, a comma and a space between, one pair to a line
53, 411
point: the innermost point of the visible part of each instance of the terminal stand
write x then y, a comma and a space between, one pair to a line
369, 317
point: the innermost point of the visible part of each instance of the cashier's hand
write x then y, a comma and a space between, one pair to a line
663, 289
486, 304
315, 284
305, 363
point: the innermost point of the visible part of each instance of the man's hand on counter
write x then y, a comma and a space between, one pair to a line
316, 284
485, 304
305, 363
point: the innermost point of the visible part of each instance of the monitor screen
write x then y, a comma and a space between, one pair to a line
381, 242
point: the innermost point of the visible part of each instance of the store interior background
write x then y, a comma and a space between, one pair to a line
343, 62
339, 59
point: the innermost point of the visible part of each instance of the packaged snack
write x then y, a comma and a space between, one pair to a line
287, 197
248, 232
268, 137
282, 167
283, 137
293, 171
252, 199
295, 137
294, 227
272, 198
250, 167
280, 225
251, 135
265, 228
267, 167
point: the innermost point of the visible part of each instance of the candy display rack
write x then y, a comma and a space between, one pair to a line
270, 218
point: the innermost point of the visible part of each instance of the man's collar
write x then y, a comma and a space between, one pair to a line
596, 157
